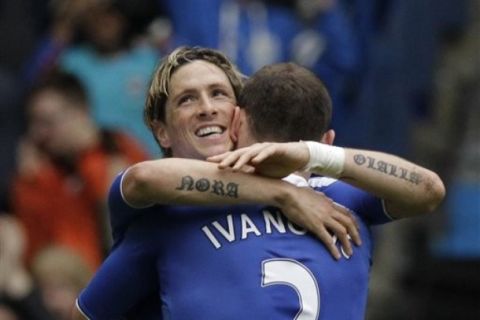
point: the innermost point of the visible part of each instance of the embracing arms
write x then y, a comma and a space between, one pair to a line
193, 182
407, 189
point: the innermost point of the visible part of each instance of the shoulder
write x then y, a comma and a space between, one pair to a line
367, 206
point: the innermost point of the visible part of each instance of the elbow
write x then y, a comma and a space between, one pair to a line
135, 184
435, 189
422, 202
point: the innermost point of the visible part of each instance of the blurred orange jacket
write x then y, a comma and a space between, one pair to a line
64, 208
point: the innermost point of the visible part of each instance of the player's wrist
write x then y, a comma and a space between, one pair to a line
283, 194
325, 159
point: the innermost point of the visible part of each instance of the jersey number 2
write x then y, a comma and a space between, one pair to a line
296, 275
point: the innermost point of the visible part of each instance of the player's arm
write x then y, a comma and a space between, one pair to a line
194, 182
407, 189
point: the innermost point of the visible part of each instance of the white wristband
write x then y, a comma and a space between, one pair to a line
325, 159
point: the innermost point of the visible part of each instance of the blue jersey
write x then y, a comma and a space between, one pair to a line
235, 262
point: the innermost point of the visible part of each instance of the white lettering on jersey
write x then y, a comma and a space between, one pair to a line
211, 237
248, 226
283, 271
230, 234
276, 221
296, 230
217, 231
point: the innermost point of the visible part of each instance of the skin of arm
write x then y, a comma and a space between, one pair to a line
407, 189
194, 182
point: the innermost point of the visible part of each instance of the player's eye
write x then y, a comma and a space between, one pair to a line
219, 92
185, 99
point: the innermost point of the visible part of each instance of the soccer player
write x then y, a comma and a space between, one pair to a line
230, 262
215, 83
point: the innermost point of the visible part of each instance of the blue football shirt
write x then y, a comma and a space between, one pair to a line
234, 262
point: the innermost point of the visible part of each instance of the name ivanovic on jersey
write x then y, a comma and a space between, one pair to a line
221, 231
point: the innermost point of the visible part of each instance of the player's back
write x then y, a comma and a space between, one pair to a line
248, 262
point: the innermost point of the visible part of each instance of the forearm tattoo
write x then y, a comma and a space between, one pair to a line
218, 187
387, 168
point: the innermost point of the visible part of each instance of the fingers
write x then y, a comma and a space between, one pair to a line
348, 221
329, 233
224, 159
218, 157
247, 169
235, 159
328, 241
344, 239
339, 221
254, 154
341, 234
265, 151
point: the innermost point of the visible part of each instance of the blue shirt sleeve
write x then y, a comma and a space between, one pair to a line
367, 206
126, 280
121, 213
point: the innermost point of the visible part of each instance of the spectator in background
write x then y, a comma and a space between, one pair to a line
251, 33
327, 44
447, 284
316, 34
21, 23
19, 297
10, 130
60, 274
415, 280
399, 41
65, 165
114, 66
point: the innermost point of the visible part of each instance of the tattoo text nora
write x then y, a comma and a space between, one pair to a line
204, 185
246, 225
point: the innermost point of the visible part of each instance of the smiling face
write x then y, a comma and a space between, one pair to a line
198, 112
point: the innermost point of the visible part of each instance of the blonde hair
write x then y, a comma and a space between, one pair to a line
158, 92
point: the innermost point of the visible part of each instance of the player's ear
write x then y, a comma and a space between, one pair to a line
161, 133
243, 130
328, 137
235, 124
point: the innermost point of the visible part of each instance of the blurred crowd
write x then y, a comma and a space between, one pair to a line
404, 76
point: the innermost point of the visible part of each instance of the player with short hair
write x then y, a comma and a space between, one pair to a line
222, 262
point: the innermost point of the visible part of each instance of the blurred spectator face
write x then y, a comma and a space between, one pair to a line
60, 274
7, 314
55, 122
58, 295
105, 27
308, 9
